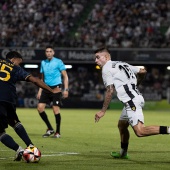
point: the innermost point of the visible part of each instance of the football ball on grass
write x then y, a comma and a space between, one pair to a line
31, 154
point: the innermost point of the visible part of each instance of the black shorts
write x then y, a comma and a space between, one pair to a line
47, 97
8, 115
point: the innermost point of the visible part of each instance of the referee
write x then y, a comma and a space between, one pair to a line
53, 74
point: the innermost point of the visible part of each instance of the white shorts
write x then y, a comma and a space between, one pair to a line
133, 116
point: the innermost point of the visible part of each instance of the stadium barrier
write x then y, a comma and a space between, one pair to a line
78, 55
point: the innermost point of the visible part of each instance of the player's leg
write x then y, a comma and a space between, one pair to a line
124, 136
56, 109
131, 113
136, 119
20, 130
44, 117
142, 131
57, 115
14, 122
41, 110
6, 139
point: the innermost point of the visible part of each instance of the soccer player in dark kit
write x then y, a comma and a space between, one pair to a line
10, 73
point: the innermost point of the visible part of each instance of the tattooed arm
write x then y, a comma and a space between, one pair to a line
107, 99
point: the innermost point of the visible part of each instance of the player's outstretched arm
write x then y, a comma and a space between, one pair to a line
107, 99
41, 84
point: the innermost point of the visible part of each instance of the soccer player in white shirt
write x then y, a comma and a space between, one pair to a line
123, 78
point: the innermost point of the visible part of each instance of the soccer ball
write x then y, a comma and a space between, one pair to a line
31, 154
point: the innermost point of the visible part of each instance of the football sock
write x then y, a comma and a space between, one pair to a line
44, 117
164, 130
168, 130
20, 130
58, 122
124, 148
9, 142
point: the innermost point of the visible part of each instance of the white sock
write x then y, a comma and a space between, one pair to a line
123, 152
168, 129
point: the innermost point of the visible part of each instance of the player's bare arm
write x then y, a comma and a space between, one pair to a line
40, 89
39, 93
41, 84
141, 75
65, 82
107, 99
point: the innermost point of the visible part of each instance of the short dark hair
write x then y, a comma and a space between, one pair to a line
50, 46
102, 49
13, 54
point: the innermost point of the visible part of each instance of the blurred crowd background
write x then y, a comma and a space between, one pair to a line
89, 24
80, 23
86, 84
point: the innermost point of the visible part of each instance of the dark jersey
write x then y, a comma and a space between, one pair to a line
9, 75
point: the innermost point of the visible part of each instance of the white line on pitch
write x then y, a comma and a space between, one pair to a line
61, 154
53, 154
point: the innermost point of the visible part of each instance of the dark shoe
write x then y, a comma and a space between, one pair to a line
48, 133
56, 135
19, 154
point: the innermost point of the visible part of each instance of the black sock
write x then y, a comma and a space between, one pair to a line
44, 117
124, 146
163, 130
58, 122
9, 142
20, 130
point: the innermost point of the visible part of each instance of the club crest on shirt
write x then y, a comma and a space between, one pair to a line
133, 108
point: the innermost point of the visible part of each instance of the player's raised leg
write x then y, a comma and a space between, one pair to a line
142, 131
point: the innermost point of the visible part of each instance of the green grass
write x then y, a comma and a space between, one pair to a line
86, 145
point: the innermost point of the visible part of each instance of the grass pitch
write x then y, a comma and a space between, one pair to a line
85, 145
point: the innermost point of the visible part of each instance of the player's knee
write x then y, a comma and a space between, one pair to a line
122, 129
122, 125
138, 133
14, 123
40, 109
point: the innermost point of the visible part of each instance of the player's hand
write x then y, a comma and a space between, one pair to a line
98, 115
65, 94
38, 95
56, 90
